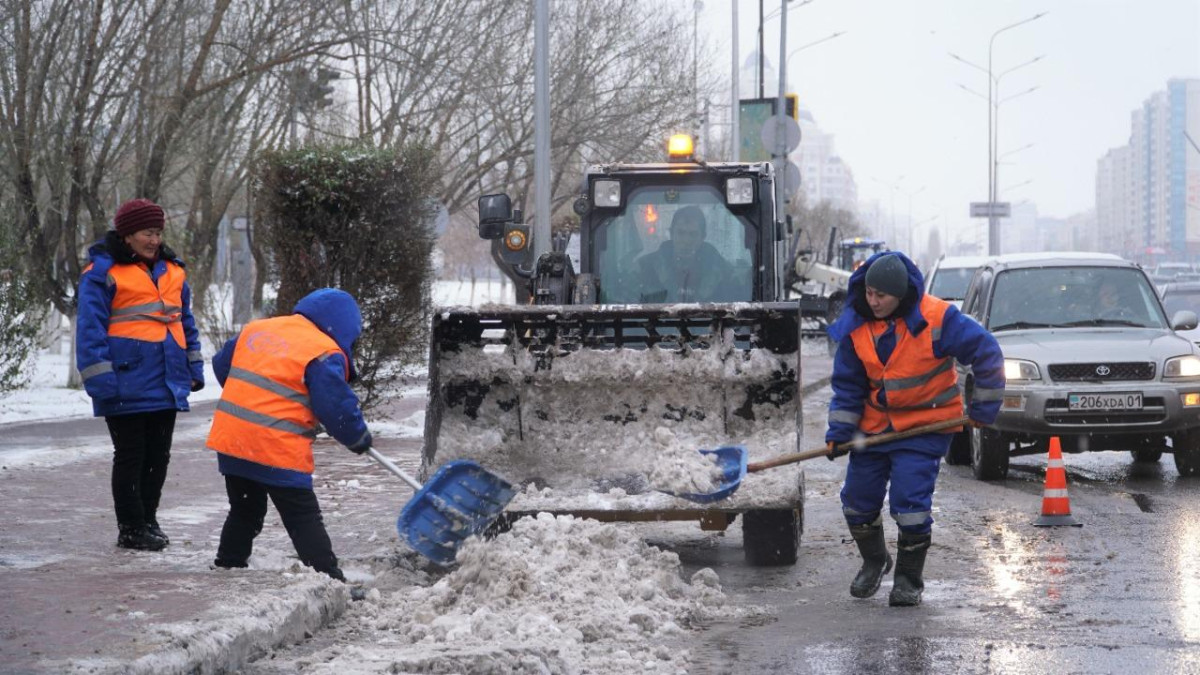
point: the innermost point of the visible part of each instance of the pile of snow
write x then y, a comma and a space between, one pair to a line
590, 428
680, 468
554, 594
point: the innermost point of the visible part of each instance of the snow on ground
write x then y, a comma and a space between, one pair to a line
552, 595
48, 397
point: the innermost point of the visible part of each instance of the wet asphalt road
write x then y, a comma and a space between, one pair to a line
1119, 595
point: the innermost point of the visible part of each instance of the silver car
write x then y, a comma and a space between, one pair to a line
1089, 356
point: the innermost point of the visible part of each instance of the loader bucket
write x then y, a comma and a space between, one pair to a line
568, 397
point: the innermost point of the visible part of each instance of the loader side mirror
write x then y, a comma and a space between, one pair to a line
495, 211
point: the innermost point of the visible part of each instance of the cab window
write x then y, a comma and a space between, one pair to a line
674, 244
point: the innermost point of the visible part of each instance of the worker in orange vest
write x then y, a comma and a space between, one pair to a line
138, 352
281, 377
894, 370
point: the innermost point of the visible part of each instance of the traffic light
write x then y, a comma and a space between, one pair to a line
313, 91
322, 87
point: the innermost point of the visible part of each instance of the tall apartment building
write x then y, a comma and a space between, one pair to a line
1148, 191
824, 176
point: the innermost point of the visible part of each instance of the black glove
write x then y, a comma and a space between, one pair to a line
362, 446
197, 385
837, 450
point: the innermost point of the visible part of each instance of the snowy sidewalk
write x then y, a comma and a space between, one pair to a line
73, 602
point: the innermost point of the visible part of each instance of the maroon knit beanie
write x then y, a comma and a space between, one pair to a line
136, 215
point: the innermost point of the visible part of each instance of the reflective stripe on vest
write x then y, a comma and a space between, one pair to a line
265, 413
920, 388
143, 310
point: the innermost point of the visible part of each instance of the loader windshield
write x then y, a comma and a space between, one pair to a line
675, 244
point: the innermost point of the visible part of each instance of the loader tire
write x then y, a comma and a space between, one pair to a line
771, 538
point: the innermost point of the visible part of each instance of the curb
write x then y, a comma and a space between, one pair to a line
222, 644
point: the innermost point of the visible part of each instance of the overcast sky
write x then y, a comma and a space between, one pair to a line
889, 91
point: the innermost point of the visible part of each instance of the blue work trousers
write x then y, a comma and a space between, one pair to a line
912, 473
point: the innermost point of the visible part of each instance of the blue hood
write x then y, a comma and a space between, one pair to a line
336, 313
856, 313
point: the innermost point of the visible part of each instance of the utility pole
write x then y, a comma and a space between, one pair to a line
781, 149
735, 95
761, 89
541, 128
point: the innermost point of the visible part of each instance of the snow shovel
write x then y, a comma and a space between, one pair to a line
734, 467
460, 500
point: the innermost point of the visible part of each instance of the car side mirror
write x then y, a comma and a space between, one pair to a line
1184, 319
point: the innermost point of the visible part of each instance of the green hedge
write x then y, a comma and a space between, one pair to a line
357, 218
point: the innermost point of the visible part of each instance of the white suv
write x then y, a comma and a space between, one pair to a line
950, 276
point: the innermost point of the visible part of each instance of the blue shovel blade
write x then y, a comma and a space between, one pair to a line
731, 459
460, 500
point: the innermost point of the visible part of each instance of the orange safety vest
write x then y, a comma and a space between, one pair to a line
142, 310
921, 388
265, 415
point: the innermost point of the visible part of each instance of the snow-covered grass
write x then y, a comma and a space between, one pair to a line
47, 395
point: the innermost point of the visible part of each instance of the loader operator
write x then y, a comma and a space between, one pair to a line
685, 268
894, 370
282, 376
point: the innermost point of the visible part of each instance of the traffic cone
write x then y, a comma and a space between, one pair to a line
1056, 506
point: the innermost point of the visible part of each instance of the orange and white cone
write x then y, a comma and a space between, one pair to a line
1056, 506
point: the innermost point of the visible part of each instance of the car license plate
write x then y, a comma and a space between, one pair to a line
1113, 401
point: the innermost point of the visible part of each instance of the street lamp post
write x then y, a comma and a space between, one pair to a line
993, 86
814, 43
761, 52
910, 215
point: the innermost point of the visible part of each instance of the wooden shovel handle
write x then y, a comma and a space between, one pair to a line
854, 445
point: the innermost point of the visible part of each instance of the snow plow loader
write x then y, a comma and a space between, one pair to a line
673, 336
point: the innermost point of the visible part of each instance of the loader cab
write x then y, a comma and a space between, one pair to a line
679, 233
854, 252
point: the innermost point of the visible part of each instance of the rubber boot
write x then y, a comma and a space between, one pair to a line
876, 559
910, 564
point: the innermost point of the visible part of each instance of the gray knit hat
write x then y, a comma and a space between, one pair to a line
888, 274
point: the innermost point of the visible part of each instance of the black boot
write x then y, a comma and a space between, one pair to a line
137, 537
156, 531
876, 559
910, 564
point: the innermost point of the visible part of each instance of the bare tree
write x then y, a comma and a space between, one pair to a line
459, 74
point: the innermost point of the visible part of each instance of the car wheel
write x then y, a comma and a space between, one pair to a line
1187, 454
1146, 455
989, 454
771, 537
959, 453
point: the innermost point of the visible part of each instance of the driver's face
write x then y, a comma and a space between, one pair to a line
687, 236
1108, 295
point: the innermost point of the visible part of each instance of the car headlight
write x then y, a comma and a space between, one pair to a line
1016, 369
739, 191
1182, 367
607, 194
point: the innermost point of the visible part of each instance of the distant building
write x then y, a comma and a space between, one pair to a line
1148, 191
824, 176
